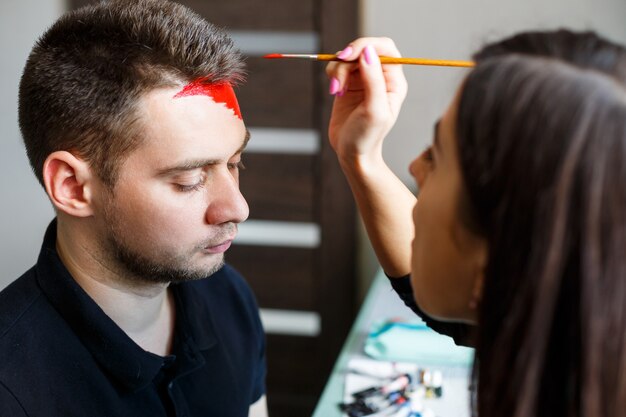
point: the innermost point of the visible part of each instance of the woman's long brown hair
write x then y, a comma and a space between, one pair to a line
541, 133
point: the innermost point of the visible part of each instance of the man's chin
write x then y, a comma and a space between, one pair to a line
165, 274
209, 268
202, 272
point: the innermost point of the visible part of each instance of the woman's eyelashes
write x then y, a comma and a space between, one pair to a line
428, 155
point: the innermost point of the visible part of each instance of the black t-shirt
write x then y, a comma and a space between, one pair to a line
463, 334
63, 356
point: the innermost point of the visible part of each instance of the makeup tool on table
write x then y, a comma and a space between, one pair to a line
376, 389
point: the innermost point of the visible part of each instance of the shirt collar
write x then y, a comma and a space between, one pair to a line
194, 322
118, 354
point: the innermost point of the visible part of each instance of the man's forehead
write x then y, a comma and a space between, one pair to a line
193, 125
164, 105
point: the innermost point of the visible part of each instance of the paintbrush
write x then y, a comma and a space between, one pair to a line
383, 59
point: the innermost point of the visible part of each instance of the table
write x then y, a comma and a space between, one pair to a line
382, 302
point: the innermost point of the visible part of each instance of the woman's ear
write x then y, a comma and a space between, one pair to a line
477, 292
480, 255
69, 182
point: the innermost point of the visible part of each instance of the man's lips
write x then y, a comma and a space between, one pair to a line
222, 240
220, 247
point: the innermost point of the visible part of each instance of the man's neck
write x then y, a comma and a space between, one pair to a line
145, 312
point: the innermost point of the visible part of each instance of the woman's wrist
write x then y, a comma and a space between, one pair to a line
360, 164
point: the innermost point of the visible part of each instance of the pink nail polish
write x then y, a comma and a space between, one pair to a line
334, 86
345, 53
370, 55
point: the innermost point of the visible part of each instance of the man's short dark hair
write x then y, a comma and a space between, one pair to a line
84, 77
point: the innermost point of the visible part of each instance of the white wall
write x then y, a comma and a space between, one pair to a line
24, 208
454, 29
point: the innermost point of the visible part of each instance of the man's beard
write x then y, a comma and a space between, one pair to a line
157, 267
172, 269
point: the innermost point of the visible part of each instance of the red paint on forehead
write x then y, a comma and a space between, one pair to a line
219, 92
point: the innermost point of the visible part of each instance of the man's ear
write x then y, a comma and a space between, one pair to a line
69, 183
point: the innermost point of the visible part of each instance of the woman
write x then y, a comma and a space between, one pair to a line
520, 228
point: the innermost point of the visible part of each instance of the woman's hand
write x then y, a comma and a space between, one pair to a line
368, 99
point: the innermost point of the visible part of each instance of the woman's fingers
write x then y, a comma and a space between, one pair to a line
339, 72
374, 87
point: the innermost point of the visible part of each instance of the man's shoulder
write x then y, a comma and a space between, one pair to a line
17, 299
28, 322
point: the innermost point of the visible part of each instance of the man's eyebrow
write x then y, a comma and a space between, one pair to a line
188, 165
191, 164
436, 143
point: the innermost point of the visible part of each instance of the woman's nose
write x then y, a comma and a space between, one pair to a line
420, 167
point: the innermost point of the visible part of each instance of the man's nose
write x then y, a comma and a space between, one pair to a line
226, 203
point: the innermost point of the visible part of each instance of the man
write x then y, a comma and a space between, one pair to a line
131, 125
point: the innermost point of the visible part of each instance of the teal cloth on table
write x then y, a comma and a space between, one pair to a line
401, 341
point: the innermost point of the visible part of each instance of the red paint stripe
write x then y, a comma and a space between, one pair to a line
219, 92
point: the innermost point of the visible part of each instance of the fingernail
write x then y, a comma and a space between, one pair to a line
370, 55
341, 93
334, 86
345, 53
